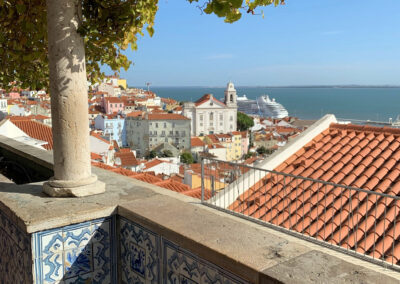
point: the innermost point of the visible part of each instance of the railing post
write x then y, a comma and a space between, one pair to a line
202, 180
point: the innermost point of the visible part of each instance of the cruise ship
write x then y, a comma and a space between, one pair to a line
262, 106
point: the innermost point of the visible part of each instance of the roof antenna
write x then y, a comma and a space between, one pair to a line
148, 86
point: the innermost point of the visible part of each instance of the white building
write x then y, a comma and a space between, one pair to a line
3, 105
159, 166
211, 116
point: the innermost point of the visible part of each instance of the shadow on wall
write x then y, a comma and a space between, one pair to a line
22, 173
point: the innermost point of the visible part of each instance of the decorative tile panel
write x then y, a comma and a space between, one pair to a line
140, 253
80, 253
15, 253
181, 266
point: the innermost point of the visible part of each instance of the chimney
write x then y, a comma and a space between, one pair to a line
187, 179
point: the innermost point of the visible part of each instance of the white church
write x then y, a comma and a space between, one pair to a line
210, 116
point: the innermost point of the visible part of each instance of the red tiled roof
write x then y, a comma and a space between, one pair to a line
127, 158
166, 116
98, 136
196, 142
134, 113
153, 163
250, 160
196, 193
146, 177
206, 98
113, 100
102, 166
173, 185
95, 156
36, 130
213, 138
358, 156
223, 136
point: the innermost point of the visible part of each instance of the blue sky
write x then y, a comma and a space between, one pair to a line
305, 42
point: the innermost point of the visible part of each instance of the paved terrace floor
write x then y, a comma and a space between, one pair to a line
251, 251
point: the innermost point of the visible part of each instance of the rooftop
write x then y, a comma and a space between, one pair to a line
348, 155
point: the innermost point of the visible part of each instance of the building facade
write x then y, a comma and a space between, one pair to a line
145, 133
211, 116
113, 126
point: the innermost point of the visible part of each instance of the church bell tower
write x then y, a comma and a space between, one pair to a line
230, 95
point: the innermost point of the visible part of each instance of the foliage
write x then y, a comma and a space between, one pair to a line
231, 10
187, 158
262, 150
244, 122
167, 154
107, 26
248, 155
152, 154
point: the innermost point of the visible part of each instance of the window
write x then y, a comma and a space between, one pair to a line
177, 140
201, 124
211, 103
156, 125
183, 133
211, 116
201, 117
173, 124
221, 117
120, 105
155, 132
163, 133
151, 124
151, 139
177, 133
166, 139
165, 125
171, 132
231, 118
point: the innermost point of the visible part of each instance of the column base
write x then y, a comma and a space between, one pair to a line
80, 188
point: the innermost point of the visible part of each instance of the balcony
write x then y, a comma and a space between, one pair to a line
138, 232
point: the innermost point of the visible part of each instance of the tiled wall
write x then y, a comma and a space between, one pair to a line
15, 253
87, 253
81, 253
149, 258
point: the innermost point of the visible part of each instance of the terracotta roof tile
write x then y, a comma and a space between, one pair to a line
166, 116
127, 158
36, 130
359, 156
196, 142
206, 98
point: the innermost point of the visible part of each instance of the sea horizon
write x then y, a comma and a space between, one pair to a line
352, 103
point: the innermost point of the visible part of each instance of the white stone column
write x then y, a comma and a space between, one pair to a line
69, 104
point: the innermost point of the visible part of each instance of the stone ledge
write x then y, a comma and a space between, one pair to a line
38, 156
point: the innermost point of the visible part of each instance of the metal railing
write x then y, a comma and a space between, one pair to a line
363, 223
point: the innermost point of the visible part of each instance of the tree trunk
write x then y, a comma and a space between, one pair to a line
69, 101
